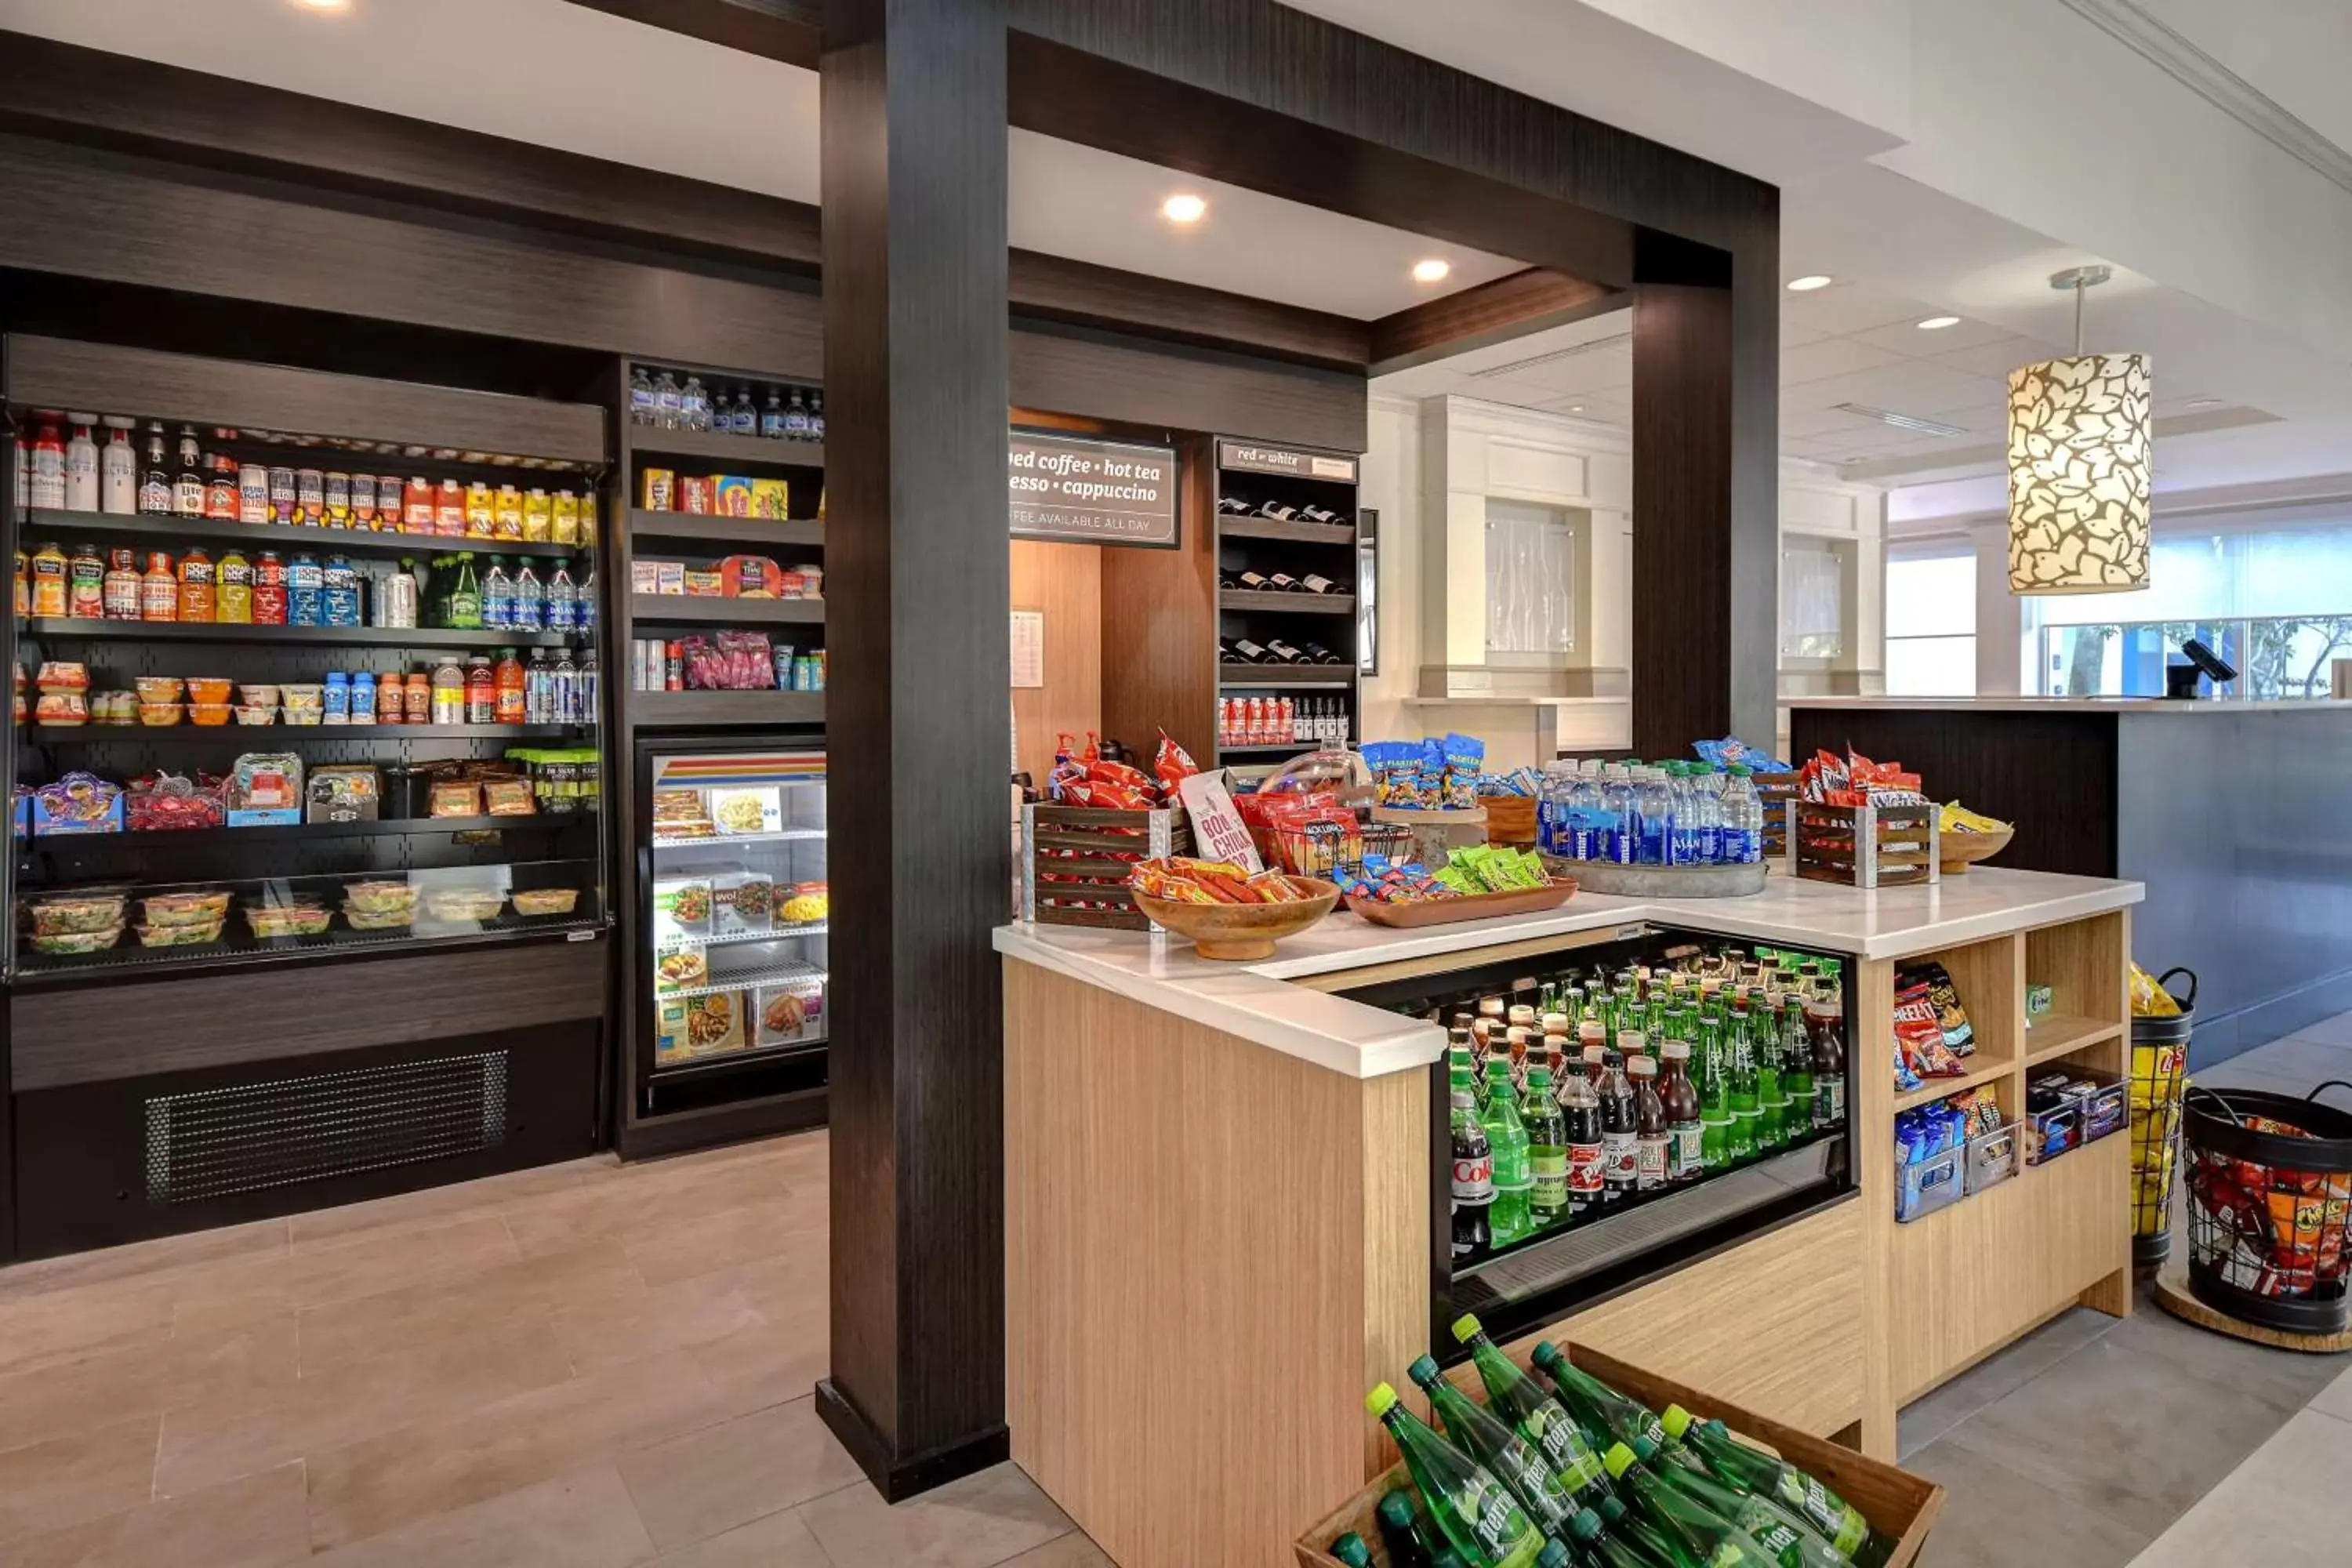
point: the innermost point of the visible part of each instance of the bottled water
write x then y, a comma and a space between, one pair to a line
1653, 815
563, 690
1706, 818
498, 595
1589, 825
1552, 834
562, 601
641, 397
529, 600
584, 610
1624, 829
694, 405
1743, 820
1681, 838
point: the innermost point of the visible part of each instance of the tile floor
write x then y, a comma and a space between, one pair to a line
601, 1365
2098, 1442
593, 1365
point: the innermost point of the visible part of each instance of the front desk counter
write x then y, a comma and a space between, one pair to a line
1220, 1194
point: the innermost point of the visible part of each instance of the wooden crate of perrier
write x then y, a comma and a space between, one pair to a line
1074, 861
1900, 1506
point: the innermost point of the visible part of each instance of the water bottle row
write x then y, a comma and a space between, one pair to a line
1663, 814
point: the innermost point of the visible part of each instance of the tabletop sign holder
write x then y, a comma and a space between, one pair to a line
1863, 845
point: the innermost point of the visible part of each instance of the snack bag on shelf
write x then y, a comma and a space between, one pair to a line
1173, 766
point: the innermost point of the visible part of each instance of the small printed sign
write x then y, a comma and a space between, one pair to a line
1218, 831
1251, 457
1081, 490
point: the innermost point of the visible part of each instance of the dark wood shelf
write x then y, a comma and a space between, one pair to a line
683, 607
62, 630
766, 708
703, 527
1289, 677
86, 734
647, 440
66, 526
1286, 604
295, 831
1292, 531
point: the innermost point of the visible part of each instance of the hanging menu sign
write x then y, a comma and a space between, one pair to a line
1254, 458
1080, 490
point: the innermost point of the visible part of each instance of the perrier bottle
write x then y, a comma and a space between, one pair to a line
1487, 1439
1539, 1418
1791, 1541
1751, 1469
1711, 1067
1739, 1073
1476, 1513
1712, 1539
1607, 1416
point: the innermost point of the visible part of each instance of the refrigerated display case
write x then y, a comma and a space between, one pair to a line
1626, 1239
733, 955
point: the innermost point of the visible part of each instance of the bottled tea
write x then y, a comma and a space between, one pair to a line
1651, 1142
1685, 1132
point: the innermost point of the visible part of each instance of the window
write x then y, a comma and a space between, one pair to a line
1812, 597
1530, 578
1931, 621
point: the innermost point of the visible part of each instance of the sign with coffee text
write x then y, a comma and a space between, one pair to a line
1081, 490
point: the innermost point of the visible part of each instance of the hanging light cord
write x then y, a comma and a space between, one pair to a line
2078, 317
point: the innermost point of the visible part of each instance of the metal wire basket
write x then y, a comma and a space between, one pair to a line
1328, 849
2159, 1051
2270, 1187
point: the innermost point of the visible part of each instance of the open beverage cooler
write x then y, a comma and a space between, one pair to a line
733, 967
1667, 985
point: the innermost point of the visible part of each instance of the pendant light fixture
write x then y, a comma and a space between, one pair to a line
2079, 461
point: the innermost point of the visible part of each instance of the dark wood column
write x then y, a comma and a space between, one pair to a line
917, 584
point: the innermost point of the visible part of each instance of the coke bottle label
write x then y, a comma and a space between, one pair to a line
1474, 1179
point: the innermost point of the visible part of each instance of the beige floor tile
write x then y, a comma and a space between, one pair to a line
640, 1210
635, 1323
775, 1361
1995, 1518
364, 1265
778, 1541
152, 1261
2335, 1399
976, 1522
256, 1521
1071, 1551
417, 1315
2287, 1504
147, 1379
579, 1521
434, 1207
210, 1440
714, 1479
82, 1476
772, 1227
61, 1326
432, 1467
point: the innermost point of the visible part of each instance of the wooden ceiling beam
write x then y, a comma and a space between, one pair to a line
784, 30
1509, 307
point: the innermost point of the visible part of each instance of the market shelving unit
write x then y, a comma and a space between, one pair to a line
667, 1094
1266, 478
165, 1088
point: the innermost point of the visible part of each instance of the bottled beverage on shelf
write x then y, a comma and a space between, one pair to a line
121, 594
81, 470
1538, 1418
666, 400
1743, 819
772, 417
155, 476
159, 590
1655, 805
1681, 830
1825, 1028
481, 690
508, 684
449, 690
396, 595
563, 685
1477, 1513
1686, 1130
1580, 1111
1796, 1069
233, 600
585, 693
1507, 1137
562, 600
198, 586
464, 595
44, 477
498, 596
796, 419
1742, 1141
816, 416
1483, 1435
583, 600
1714, 1541
539, 689
1753, 1470
1620, 1134
390, 704
1474, 1171
530, 607
1546, 1151
641, 397
1651, 1140
1772, 1103
117, 471
362, 696
1599, 1407
694, 405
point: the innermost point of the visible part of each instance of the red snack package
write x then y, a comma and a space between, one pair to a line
1920, 1035
1172, 763
1121, 773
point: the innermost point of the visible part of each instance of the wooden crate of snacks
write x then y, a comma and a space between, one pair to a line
1074, 862
1776, 791
1863, 846
1901, 1507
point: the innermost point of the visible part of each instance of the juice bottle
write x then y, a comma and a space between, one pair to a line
24, 584
86, 583
198, 586
1650, 1141
511, 694
159, 589
235, 595
587, 517
269, 590
481, 690
121, 592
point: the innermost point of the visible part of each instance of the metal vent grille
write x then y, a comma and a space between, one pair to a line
295, 1129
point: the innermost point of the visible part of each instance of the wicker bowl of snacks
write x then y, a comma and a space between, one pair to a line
1227, 913
1967, 836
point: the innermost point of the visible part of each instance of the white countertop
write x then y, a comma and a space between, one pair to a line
1256, 1002
2069, 704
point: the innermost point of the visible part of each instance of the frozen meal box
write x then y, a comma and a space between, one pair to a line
758, 808
681, 908
715, 1023
787, 1011
742, 903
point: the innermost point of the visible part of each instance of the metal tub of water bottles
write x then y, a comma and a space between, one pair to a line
1734, 881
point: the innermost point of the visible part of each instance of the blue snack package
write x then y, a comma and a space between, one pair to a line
1465, 759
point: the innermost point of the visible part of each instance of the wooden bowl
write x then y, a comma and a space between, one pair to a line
1959, 851
1240, 932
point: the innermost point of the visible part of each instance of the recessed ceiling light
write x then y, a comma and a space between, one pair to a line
1432, 270
324, 4
1576, 409
1937, 323
2204, 403
1184, 207
1809, 282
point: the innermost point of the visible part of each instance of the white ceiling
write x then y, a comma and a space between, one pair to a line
561, 75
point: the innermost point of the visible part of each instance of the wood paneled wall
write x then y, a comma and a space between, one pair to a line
1065, 581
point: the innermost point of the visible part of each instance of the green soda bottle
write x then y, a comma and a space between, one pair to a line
1539, 1418
1751, 1469
1605, 1414
1611, 1546
1739, 1071
1487, 1439
1643, 1536
1711, 1067
1477, 1513
1797, 1069
1507, 1136
1793, 1543
1404, 1533
1714, 1539
1547, 1152
1773, 1101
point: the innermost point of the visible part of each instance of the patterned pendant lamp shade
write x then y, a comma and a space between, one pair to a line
2078, 475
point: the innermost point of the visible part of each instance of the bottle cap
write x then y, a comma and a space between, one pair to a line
1545, 1355
1553, 1555
1539, 1077
1610, 1508
1424, 1369
1642, 1066
1466, 1328
1675, 1420
1396, 1508
1380, 1400
1630, 1041
1523, 1015
1585, 1525
1619, 1460
1676, 1050
1350, 1549
1644, 1450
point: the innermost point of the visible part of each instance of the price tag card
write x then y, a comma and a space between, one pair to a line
1218, 831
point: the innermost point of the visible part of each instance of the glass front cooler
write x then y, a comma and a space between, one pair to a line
735, 969
1671, 1093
